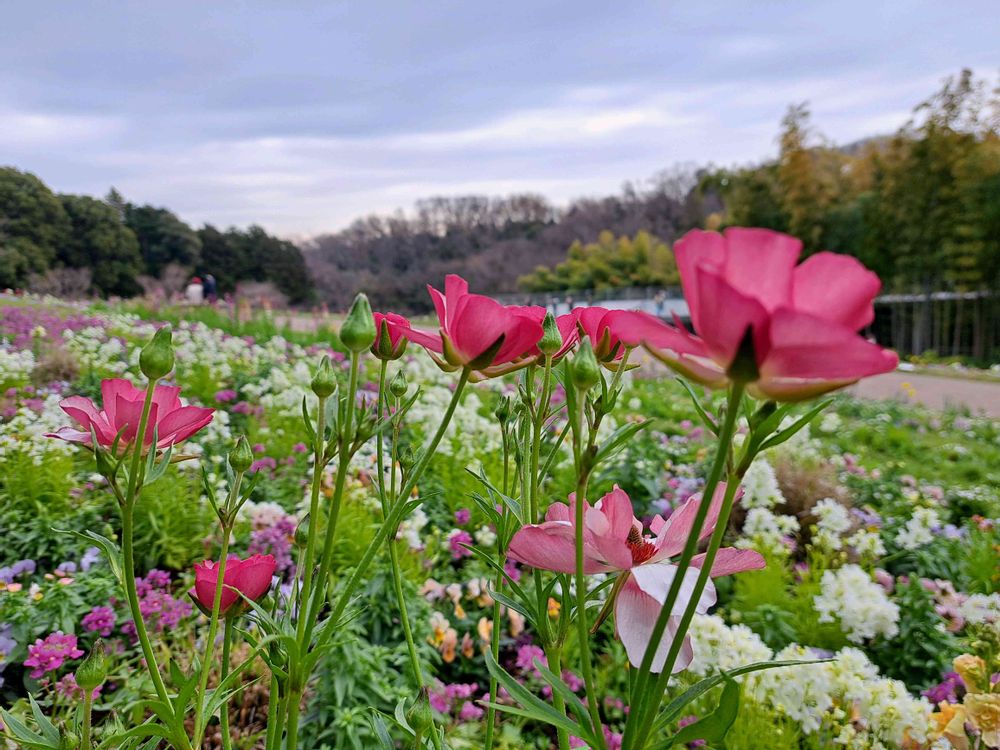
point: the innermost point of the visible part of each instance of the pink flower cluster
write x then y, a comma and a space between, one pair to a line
48, 654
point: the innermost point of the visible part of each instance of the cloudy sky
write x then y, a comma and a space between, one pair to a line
301, 116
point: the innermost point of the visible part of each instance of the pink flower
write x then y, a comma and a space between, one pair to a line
48, 654
100, 620
250, 577
480, 333
609, 331
172, 421
614, 542
400, 331
748, 297
456, 541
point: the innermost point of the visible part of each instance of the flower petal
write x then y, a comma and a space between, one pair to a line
673, 534
760, 263
635, 618
729, 560
182, 423
836, 287
552, 546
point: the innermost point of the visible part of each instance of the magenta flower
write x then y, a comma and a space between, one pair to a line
614, 542
99, 620
48, 654
456, 540
250, 577
172, 421
748, 297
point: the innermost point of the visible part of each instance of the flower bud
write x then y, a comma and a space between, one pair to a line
504, 410
398, 385
324, 382
69, 740
358, 332
94, 669
157, 357
105, 462
551, 340
584, 370
420, 717
302, 532
241, 456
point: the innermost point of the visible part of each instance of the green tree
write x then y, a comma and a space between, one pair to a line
608, 263
223, 254
100, 241
268, 258
163, 238
33, 225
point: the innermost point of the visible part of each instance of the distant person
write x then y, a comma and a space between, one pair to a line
569, 303
660, 300
210, 289
195, 292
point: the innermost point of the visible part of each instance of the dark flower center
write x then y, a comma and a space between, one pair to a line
642, 550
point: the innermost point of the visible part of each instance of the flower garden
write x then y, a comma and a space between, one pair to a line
496, 530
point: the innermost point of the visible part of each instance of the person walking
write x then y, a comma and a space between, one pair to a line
195, 292
210, 289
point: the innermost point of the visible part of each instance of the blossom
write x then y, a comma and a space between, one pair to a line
171, 421
48, 654
457, 539
250, 577
399, 331
610, 331
983, 711
861, 605
614, 542
99, 620
479, 333
789, 331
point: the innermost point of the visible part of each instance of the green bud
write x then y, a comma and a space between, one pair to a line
241, 456
157, 357
324, 382
420, 717
69, 740
398, 385
358, 332
551, 340
302, 532
94, 669
584, 370
407, 457
105, 462
504, 410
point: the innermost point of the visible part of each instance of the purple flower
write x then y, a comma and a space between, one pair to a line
948, 690
462, 516
300, 448
526, 656
99, 620
48, 654
225, 396
455, 541
470, 712
267, 462
276, 540
91, 556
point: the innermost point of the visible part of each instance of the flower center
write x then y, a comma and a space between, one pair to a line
642, 550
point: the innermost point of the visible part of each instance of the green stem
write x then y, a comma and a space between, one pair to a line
88, 705
646, 703
213, 629
395, 515
553, 655
319, 455
583, 629
273, 698
227, 644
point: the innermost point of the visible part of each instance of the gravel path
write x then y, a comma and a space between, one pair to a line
934, 391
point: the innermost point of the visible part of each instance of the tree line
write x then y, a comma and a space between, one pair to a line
120, 243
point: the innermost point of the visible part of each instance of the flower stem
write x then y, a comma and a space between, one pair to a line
645, 703
319, 451
213, 629
88, 705
227, 644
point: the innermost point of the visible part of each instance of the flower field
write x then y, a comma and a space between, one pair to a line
405, 562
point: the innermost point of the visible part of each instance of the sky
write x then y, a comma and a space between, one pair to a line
302, 116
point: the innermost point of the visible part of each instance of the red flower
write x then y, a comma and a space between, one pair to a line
789, 331
399, 332
251, 577
122, 401
609, 331
480, 333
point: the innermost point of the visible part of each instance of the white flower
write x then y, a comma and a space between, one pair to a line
760, 486
833, 521
919, 530
766, 531
860, 605
867, 543
485, 537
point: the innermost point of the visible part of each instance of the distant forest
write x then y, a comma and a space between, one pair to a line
921, 207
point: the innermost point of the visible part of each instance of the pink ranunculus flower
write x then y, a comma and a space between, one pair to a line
614, 542
480, 333
400, 332
250, 577
800, 322
172, 421
610, 331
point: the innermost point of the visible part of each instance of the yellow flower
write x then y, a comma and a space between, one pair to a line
983, 710
554, 607
485, 628
972, 670
467, 646
949, 723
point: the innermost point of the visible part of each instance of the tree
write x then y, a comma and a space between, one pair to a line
223, 255
607, 264
163, 238
269, 258
33, 225
99, 241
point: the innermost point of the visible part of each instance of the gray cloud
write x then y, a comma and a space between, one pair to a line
301, 116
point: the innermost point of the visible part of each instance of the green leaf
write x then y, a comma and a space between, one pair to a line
571, 699
707, 420
532, 706
46, 727
619, 438
111, 551
513, 604
307, 422
713, 727
802, 421
381, 731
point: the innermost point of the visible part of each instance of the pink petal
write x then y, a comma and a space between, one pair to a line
808, 348
694, 249
481, 322
440, 305
111, 388
181, 424
206, 576
71, 436
455, 290
86, 414
836, 287
655, 579
724, 317
552, 546
431, 341
674, 533
760, 263
166, 397
522, 334
729, 560
251, 576
635, 618
128, 415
